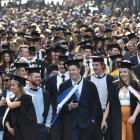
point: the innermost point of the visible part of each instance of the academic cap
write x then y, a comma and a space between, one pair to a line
113, 57
63, 58
111, 46
34, 70
97, 58
131, 36
60, 50
21, 65
75, 62
108, 30
21, 80
87, 47
125, 64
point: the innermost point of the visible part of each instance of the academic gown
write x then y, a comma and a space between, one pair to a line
115, 117
51, 87
89, 108
109, 80
23, 120
136, 70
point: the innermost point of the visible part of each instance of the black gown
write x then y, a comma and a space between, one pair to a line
115, 117
77, 124
23, 120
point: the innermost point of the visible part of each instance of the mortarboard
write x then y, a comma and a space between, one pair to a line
75, 62
125, 64
113, 57
34, 70
97, 58
88, 30
21, 65
60, 50
67, 33
63, 58
87, 37
131, 36
108, 30
5, 46
87, 47
59, 28
20, 34
6, 51
110, 46
21, 80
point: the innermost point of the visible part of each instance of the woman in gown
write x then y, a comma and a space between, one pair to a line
124, 117
20, 122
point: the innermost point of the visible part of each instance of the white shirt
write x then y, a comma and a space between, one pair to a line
124, 97
9, 93
37, 99
49, 118
80, 86
60, 80
90, 64
101, 85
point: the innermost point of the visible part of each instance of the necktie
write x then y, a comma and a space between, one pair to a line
63, 78
77, 91
88, 63
77, 94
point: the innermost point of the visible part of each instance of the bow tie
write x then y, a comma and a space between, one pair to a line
34, 89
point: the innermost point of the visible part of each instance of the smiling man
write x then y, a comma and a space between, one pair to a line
82, 113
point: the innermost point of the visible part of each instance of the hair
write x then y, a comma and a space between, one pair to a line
21, 87
3, 63
133, 79
132, 42
17, 71
22, 47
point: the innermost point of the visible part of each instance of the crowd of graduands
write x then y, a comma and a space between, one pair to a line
48, 52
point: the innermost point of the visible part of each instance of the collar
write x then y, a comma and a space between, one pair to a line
85, 60
33, 89
100, 76
60, 74
74, 83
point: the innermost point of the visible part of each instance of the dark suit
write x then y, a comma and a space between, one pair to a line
51, 87
77, 124
134, 60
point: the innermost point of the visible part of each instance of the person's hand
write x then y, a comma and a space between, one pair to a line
72, 105
103, 124
132, 119
87, 69
2, 101
11, 131
7, 98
